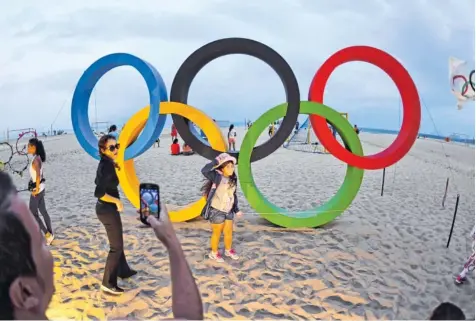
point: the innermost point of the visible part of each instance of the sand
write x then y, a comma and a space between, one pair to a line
384, 258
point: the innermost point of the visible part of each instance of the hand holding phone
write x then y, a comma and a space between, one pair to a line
149, 201
163, 228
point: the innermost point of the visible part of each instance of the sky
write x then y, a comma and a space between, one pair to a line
47, 45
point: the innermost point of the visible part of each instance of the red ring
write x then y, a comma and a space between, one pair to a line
463, 91
410, 99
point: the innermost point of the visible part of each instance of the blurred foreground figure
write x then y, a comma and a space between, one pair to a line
26, 263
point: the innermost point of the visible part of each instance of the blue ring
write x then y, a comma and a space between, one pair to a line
85, 86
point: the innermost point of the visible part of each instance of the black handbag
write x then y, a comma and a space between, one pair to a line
32, 185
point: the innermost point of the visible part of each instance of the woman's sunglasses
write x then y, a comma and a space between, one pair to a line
114, 147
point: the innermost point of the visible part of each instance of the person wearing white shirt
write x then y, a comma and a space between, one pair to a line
231, 138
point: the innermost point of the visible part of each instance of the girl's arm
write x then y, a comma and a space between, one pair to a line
209, 170
236, 208
37, 168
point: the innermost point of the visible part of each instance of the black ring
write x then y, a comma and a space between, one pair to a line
202, 56
469, 80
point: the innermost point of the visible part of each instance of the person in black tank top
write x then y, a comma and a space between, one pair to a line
108, 207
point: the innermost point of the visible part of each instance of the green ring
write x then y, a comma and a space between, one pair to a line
316, 216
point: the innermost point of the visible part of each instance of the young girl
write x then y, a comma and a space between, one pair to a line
222, 203
231, 138
37, 184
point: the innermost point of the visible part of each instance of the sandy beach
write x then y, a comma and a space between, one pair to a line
383, 258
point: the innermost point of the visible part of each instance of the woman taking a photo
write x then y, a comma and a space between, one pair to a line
107, 209
37, 187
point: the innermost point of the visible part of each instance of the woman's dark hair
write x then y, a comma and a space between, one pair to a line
102, 143
231, 127
113, 128
40, 149
175, 141
207, 184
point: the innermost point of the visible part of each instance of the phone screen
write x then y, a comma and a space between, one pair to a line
149, 201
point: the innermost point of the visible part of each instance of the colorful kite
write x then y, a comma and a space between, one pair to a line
462, 81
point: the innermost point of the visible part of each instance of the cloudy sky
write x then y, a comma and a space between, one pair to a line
46, 45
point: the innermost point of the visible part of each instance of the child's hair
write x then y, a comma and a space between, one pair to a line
207, 184
231, 127
175, 141
40, 149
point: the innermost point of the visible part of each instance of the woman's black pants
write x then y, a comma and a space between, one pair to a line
116, 264
37, 206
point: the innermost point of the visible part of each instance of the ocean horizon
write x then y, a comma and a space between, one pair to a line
460, 138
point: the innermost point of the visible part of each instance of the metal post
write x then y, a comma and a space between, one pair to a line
454, 219
383, 182
446, 192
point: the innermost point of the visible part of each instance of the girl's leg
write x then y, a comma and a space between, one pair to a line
217, 229
228, 234
229, 145
234, 148
34, 204
44, 212
228, 239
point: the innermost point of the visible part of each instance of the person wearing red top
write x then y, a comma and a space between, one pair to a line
173, 132
175, 147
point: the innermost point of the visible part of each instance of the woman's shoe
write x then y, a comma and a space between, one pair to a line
128, 275
112, 290
49, 238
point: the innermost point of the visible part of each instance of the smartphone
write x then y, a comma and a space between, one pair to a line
149, 201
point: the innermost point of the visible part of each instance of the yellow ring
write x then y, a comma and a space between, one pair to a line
127, 174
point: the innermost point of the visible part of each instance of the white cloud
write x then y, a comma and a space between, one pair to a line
47, 45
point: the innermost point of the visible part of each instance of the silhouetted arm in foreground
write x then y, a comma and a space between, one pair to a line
186, 299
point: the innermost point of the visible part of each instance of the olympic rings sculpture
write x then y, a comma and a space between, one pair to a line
151, 119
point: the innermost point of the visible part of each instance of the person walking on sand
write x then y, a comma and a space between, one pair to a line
222, 203
231, 138
468, 265
108, 208
37, 188
173, 132
271, 130
113, 132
